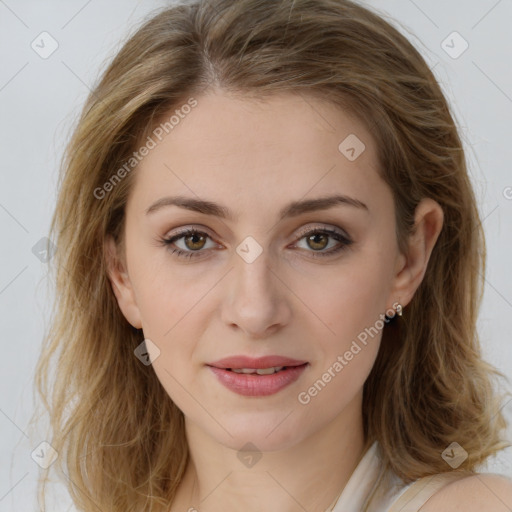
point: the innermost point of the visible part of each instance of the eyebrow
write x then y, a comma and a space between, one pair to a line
293, 209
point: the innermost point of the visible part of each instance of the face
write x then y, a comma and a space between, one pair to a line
266, 278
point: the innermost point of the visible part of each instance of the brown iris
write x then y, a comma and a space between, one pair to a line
195, 236
313, 238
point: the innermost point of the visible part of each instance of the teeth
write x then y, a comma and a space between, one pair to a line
259, 371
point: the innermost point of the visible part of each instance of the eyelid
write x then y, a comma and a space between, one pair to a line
324, 227
183, 231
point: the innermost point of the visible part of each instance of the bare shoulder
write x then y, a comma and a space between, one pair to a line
489, 492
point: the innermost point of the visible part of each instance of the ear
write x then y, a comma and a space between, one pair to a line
120, 281
411, 266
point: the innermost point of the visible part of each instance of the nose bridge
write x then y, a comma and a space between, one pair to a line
256, 299
253, 273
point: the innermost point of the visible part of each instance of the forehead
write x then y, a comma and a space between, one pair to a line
250, 153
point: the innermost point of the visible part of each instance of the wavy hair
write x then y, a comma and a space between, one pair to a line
118, 434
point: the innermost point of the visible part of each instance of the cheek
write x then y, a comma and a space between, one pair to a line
173, 319
350, 309
350, 305
166, 293
350, 298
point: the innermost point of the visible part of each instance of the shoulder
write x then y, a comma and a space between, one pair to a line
484, 491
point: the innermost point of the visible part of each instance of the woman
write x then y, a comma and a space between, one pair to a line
268, 274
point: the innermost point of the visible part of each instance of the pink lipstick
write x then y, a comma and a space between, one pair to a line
261, 376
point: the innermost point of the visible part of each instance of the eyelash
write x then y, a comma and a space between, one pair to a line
345, 242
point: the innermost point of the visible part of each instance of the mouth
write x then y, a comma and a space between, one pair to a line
261, 371
258, 381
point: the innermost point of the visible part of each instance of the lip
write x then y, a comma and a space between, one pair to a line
238, 362
257, 385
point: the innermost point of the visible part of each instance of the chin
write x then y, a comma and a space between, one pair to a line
267, 432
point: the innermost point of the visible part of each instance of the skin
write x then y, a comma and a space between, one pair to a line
254, 158
489, 492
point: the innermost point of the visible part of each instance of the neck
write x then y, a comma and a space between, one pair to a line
308, 475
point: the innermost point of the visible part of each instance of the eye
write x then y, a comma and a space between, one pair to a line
193, 241
318, 240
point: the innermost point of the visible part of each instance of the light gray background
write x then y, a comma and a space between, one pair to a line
41, 98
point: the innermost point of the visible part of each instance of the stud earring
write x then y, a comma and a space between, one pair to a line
399, 309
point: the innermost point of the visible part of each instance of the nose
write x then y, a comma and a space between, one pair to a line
257, 299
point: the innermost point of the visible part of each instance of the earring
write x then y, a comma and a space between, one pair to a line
399, 309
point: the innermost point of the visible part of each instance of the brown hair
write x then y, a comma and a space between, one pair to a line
117, 432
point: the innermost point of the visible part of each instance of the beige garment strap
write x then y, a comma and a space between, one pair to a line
420, 491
